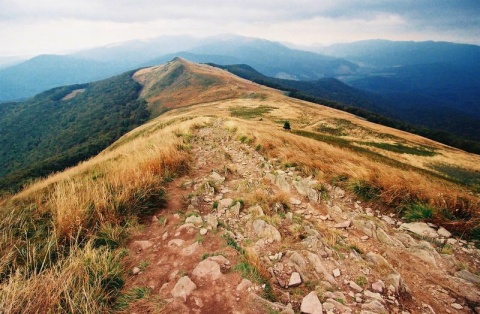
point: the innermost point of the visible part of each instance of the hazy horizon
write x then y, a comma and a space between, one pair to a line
51, 26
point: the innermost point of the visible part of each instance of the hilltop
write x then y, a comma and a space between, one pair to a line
211, 205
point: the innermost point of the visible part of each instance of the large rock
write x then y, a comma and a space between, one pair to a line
304, 188
355, 287
234, 211
271, 177
374, 306
224, 204
395, 280
336, 213
189, 250
383, 237
311, 304
425, 251
379, 261
264, 230
220, 260
332, 304
295, 280
337, 192
406, 239
468, 276
320, 268
420, 228
183, 288
196, 220
244, 285
313, 196
282, 183
211, 220
295, 201
313, 243
344, 224
216, 177
298, 260
188, 227
378, 286
142, 245
373, 295
366, 225
207, 269
444, 232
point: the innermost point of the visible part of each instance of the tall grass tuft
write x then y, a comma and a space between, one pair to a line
365, 190
86, 281
418, 212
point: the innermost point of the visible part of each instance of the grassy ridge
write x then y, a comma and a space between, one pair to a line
334, 94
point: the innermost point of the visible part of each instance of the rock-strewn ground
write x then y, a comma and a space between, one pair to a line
303, 246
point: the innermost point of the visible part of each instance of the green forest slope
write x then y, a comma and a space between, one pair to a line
62, 126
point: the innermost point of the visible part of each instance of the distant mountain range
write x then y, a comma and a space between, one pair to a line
386, 53
47, 71
429, 84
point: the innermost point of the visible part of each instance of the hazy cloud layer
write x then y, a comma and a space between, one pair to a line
49, 25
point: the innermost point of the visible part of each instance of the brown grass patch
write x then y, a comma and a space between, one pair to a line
326, 161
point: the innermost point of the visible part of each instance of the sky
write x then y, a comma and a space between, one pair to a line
30, 27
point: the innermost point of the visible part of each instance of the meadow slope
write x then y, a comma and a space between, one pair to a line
74, 235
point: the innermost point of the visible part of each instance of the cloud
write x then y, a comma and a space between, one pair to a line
460, 12
26, 23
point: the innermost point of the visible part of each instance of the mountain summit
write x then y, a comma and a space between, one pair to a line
213, 205
179, 83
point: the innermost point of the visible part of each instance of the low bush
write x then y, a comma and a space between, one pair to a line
364, 190
418, 212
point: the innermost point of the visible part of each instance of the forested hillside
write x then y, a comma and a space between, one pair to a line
60, 127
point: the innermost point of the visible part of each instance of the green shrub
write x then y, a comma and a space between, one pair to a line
364, 190
134, 294
231, 242
417, 211
110, 235
361, 281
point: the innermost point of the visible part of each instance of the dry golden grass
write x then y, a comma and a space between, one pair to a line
252, 258
81, 283
267, 200
45, 227
328, 161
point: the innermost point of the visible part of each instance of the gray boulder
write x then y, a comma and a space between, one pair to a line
183, 288
263, 230
311, 304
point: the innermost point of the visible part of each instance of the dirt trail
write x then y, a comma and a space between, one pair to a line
289, 233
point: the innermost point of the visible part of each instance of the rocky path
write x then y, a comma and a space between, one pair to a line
244, 234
